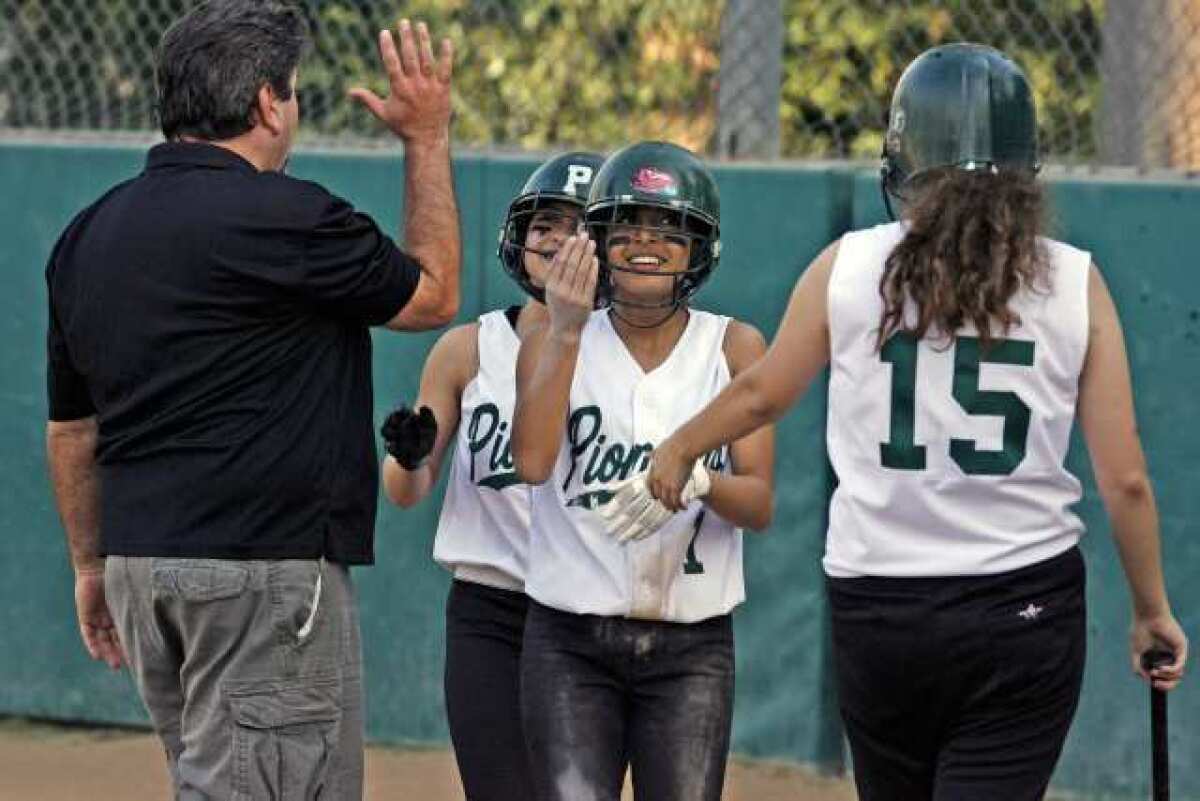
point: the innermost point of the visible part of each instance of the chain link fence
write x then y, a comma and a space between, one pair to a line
1117, 81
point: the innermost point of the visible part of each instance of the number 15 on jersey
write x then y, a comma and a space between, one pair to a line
902, 452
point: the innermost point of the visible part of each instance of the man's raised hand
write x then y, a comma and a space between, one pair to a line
417, 108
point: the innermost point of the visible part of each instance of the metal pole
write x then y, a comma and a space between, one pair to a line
750, 79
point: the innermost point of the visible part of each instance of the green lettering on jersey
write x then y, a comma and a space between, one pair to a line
691, 565
602, 461
901, 452
990, 403
583, 426
499, 481
591, 500
605, 462
487, 429
484, 422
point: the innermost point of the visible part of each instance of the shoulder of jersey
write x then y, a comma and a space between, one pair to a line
1057, 247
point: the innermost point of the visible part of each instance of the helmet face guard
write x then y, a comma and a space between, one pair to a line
614, 223
672, 182
564, 179
960, 106
515, 233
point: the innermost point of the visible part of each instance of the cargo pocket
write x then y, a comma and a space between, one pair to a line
199, 579
284, 736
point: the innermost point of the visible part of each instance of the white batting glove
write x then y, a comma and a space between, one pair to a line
634, 514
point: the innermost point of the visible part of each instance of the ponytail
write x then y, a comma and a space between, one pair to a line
972, 243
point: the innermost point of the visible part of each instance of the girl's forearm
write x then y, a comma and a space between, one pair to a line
406, 488
740, 408
541, 412
745, 501
1134, 518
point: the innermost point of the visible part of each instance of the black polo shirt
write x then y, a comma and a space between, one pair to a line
215, 320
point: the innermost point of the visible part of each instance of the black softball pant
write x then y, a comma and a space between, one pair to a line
600, 694
484, 631
959, 689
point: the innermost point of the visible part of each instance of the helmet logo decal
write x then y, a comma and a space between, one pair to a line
654, 181
577, 174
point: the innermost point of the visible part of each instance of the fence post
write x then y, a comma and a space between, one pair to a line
748, 93
1151, 84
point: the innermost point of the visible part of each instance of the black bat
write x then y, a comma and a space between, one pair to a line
1160, 767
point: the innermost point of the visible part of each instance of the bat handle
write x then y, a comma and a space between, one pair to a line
1160, 772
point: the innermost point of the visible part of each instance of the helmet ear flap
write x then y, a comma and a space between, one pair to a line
706, 253
597, 229
511, 251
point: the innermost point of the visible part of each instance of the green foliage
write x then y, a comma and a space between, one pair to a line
598, 73
842, 57
542, 74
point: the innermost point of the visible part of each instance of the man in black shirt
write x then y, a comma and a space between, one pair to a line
209, 380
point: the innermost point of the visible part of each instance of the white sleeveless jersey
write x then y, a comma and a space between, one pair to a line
689, 570
950, 458
483, 534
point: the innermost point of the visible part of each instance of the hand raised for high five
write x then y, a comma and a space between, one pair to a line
418, 104
571, 284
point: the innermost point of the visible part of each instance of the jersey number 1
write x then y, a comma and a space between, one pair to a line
901, 452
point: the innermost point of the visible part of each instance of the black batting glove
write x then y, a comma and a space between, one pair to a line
408, 435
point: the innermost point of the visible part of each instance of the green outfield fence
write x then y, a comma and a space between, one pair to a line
1144, 234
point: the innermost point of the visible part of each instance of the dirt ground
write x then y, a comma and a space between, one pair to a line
43, 762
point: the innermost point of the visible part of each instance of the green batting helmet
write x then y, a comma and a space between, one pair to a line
666, 176
563, 179
962, 106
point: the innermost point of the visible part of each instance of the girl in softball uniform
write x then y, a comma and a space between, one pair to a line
467, 386
962, 347
628, 656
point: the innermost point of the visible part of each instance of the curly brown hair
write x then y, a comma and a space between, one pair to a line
973, 241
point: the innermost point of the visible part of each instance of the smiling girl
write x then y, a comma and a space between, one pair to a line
628, 655
482, 537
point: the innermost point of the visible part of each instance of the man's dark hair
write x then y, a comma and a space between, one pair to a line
213, 60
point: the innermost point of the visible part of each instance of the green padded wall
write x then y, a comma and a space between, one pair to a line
775, 220
784, 707
43, 668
